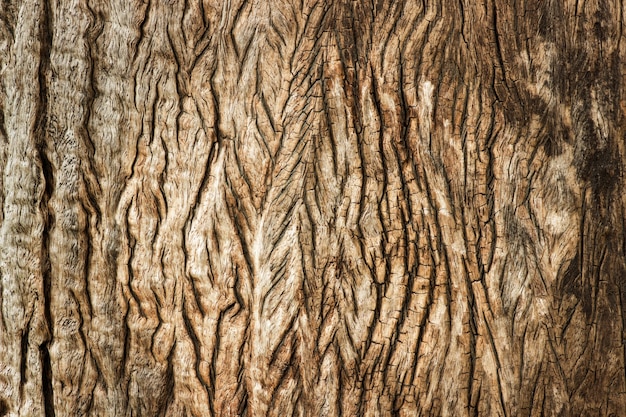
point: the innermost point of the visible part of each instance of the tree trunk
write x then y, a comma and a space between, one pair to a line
315, 208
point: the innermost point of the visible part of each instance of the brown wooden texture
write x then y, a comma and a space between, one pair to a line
312, 208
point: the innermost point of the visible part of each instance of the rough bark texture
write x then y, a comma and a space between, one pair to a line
312, 208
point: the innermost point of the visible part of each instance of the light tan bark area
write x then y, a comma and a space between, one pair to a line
312, 208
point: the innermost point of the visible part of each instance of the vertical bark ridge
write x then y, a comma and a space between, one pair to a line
22, 258
112, 131
65, 130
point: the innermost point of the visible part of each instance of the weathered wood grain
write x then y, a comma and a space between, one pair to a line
313, 208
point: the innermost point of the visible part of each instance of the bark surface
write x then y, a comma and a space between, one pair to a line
312, 208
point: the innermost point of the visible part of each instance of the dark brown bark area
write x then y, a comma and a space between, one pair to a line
312, 208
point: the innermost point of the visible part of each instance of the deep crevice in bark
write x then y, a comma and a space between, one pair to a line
46, 382
46, 34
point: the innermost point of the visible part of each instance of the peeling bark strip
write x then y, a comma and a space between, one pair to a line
315, 208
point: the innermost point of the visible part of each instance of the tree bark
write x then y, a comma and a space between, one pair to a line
313, 208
